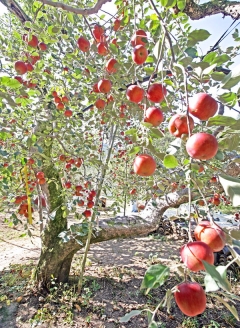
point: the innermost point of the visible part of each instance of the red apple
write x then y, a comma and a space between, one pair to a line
144, 165
20, 67
193, 253
102, 49
40, 175
83, 44
202, 146
111, 65
33, 42
90, 204
135, 93
139, 38
68, 113
139, 54
154, 116
100, 104
87, 213
190, 298
65, 99
42, 46
133, 191
202, 106
19, 79
211, 234
98, 32
60, 106
116, 25
156, 92
104, 85
178, 125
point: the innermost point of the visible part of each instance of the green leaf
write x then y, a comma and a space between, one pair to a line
134, 150
130, 132
197, 36
210, 57
192, 52
228, 98
232, 79
210, 284
222, 282
70, 17
154, 277
168, 3
222, 59
129, 315
221, 120
10, 82
156, 133
231, 308
181, 4
170, 161
231, 187
209, 69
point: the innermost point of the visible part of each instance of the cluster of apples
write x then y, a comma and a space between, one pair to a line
60, 102
203, 146
23, 205
190, 296
23, 67
77, 162
86, 193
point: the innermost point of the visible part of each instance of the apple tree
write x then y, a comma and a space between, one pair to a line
124, 104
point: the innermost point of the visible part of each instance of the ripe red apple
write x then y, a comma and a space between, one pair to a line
213, 180
90, 204
102, 49
40, 175
178, 125
30, 67
156, 92
133, 191
65, 99
144, 165
60, 106
116, 25
83, 44
215, 201
98, 32
68, 113
87, 213
211, 234
201, 203
95, 88
100, 104
202, 106
139, 54
104, 85
114, 41
19, 79
202, 146
193, 253
111, 65
42, 46
20, 67
154, 116
32, 42
135, 93
139, 38
190, 298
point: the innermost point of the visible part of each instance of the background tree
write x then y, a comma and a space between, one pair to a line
61, 138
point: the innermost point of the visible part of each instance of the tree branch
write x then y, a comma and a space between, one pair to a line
15, 9
227, 8
78, 11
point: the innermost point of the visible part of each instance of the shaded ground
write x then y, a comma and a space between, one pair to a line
111, 287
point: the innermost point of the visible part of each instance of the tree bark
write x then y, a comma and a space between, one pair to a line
227, 8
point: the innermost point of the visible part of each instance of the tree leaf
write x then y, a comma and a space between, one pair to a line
197, 36
231, 308
129, 315
170, 161
231, 187
221, 120
168, 3
222, 59
181, 4
70, 17
232, 79
222, 282
228, 98
155, 276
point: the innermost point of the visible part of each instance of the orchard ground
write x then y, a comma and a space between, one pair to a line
111, 287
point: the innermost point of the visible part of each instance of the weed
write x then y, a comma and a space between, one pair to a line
190, 323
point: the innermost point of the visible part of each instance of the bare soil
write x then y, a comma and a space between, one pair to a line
111, 288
